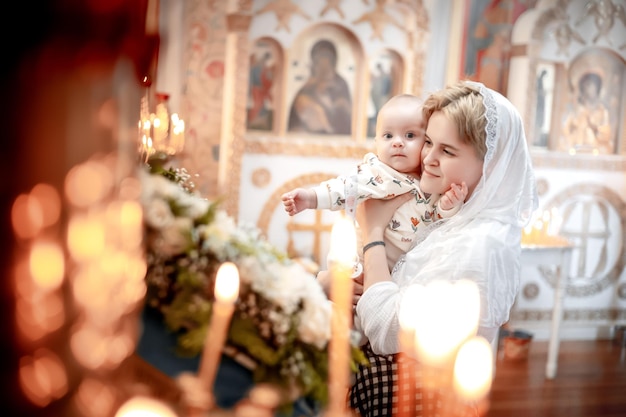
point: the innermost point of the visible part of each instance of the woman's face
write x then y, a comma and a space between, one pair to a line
446, 159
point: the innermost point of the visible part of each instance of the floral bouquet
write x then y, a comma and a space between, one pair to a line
282, 319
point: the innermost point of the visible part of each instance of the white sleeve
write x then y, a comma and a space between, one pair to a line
486, 252
374, 179
331, 194
377, 311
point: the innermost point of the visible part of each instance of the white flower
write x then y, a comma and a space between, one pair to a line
221, 229
198, 207
315, 327
175, 237
157, 186
158, 214
277, 286
190, 205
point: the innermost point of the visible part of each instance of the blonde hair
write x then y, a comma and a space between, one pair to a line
409, 99
463, 105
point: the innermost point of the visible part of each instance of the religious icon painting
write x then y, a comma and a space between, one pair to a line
594, 102
264, 79
487, 44
321, 80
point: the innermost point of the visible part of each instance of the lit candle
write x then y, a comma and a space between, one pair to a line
178, 134
406, 366
226, 292
144, 147
147, 127
149, 149
161, 124
341, 262
447, 315
473, 369
554, 227
407, 316
159, 136
545, 223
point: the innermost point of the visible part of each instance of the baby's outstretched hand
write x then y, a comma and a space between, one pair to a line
289, 202
297, 200
454, 196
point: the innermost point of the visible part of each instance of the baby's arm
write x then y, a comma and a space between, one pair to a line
450, 203
299, 199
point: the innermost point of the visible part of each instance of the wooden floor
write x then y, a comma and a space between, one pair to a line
590, 382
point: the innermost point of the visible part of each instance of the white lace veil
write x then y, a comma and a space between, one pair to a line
506, 191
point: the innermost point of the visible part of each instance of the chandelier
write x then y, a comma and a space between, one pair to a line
159, 131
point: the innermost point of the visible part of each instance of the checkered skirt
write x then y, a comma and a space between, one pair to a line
391, 386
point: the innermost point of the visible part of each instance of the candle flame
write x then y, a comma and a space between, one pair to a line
227, 283
141, 406
473, 369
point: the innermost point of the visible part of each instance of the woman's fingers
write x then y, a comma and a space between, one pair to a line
374, 213
357, 289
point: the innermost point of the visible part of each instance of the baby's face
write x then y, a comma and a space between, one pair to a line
400, 138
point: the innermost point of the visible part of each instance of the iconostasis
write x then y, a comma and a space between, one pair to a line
568, 78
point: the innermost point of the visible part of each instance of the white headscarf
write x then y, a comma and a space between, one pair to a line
506, 191
480, 243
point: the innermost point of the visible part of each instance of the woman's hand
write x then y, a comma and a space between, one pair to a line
373, 215
324, 279
357, 289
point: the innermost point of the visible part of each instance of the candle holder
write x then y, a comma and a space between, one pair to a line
544, 229
159, 131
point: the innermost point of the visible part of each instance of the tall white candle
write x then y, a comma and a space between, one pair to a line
407, 317
226, 292
341, 261
406, 367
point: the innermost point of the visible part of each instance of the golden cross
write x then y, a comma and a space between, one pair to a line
317, 228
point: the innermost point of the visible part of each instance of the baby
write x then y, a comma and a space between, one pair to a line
395, 169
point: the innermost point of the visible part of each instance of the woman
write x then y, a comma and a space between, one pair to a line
473, 135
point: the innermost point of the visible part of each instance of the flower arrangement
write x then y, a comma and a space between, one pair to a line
282, 317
